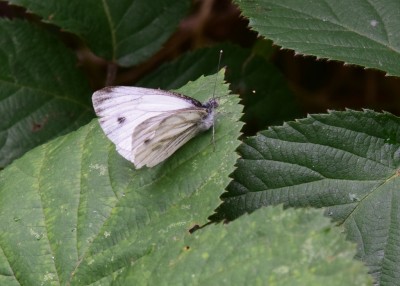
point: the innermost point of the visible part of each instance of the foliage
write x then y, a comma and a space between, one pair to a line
73, 212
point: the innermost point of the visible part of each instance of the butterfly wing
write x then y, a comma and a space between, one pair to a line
121, 109
159, 137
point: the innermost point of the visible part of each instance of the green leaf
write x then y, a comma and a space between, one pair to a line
73, 211
124, 31
346, 162
266, 97
268, 247
42, 93
357, 32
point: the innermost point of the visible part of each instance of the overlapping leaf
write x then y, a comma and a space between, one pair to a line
346, 162
42, 93
358, 32
271, 246
74, 211
124, 31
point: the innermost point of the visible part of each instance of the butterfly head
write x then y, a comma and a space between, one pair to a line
211, 105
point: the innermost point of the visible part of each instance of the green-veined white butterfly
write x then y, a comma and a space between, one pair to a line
149, 125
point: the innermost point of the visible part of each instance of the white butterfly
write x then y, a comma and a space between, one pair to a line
149, 125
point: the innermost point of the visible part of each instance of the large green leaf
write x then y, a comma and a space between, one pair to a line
42, 93
361, 32
268, 247
124, 31
345, 161
74, 211
266, 97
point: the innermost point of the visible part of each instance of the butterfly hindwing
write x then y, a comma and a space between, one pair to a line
159, 137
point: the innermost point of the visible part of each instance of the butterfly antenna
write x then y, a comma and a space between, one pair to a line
216, 77
213, 96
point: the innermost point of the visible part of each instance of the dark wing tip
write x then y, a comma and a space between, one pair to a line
107, 89
102, 95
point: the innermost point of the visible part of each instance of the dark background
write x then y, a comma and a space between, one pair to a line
317, 84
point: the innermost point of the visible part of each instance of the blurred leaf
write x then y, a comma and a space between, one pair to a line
359, 32
75, 212
345, 161
264, 48
42, 93
124, 31
265, 95
268, 247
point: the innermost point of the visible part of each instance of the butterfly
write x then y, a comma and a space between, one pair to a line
148, 125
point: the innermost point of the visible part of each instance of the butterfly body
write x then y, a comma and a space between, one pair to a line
149, 125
